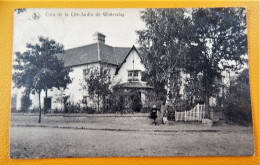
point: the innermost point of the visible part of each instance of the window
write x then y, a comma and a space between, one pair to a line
85, 100
130, 74
133, 75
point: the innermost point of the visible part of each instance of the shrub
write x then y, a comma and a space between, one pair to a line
170, 113
237, 105
72, 107
117, 102
57, 110
136, 103
238, 112
35, 110
25, 103
146, 110
89, 110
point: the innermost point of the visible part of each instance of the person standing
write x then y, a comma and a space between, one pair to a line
154, 114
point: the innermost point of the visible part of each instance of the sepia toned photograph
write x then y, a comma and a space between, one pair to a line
130, 83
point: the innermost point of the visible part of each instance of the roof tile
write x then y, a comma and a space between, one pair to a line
89, 54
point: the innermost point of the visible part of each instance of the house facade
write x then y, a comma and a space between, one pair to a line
123, 63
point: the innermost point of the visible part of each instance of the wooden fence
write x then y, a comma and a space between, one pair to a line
195, 114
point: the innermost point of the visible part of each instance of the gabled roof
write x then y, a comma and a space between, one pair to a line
97, 52
124, 60
121, 53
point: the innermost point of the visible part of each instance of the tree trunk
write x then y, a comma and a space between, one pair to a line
46, 96
168, 90
98, 103
207, 112
104, 104
40, 110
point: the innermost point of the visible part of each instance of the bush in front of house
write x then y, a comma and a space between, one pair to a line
239, 112
34, 110
170, 112
146, 109
116, 102
26, 102
89, 110
136, 103
71, 107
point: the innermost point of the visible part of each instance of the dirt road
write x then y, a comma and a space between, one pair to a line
34, 142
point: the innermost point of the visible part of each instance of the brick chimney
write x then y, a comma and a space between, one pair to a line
99, 37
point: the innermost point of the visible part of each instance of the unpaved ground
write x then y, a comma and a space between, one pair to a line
113, 121
36, 142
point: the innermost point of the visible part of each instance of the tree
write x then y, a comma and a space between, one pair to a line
237, 105
163, 45
218, 42
193, 89
26, 102
98, 83
39, 69
159, 92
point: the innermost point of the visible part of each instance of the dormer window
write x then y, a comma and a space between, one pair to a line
133, 75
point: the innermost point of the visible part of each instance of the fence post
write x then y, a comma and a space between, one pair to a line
203, 110
185, 116
194, 114
198, 113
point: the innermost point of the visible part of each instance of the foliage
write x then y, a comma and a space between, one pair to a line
237, 105
57, 110
89, 110
117, 100
218, 42
193, 89
163, 46
146, 109
159, 92
39, 69
170, 112
72, 107
152, 98
66, 103
202, 42
98, 82
26, 102
136, 102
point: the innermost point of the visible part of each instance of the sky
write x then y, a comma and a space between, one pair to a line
75, 27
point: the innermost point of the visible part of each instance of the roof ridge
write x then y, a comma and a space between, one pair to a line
121, 47
79, 47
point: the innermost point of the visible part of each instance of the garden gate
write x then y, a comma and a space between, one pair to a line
195, 114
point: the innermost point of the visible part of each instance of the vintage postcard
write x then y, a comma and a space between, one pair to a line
130, 83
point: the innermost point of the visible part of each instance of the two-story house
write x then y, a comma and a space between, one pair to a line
124, 63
